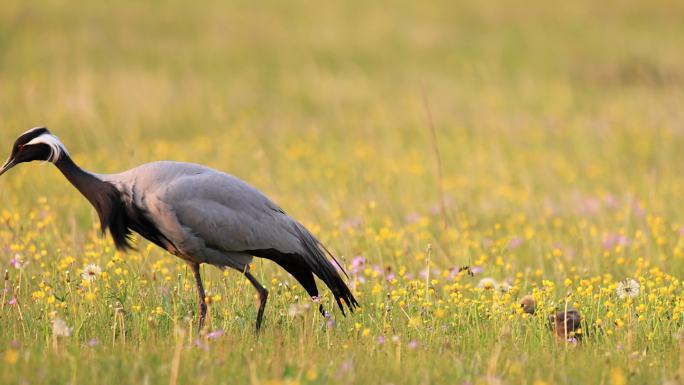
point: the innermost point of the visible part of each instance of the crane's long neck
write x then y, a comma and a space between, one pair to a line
114, 214
92, 187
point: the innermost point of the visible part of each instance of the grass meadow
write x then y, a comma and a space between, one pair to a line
539, 143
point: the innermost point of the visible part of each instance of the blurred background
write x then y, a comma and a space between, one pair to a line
555, 111
559, 126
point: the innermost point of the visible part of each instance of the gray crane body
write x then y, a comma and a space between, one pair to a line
197, 213
207, 215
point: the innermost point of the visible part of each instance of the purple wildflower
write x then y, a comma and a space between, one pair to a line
613, 240
514, 243
611, 201
413, 344
453, 272
351, 223
588, 206
329, 321
357, 264
16, 262
199, 344
347, 366
218, 333
412, 218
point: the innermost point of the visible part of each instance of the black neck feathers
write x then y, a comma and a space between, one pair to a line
105, 198
120, 218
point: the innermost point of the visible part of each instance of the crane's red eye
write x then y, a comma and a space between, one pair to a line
21, 147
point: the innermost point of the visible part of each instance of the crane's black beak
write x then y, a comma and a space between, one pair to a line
9, 164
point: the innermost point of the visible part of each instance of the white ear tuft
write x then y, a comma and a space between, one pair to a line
56, 147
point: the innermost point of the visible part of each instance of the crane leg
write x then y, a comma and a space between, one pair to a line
263, 296
200, 290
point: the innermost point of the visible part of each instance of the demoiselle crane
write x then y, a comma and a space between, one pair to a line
197, 214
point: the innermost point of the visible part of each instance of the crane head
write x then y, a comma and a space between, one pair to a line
35, 144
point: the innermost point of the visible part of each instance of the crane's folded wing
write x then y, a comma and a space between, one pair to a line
230, 215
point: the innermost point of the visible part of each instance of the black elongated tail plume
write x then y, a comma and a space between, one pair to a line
320, 265
302, 266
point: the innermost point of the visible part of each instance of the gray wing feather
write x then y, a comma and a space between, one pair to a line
230, 215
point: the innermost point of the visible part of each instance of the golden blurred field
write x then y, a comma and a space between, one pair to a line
560, 128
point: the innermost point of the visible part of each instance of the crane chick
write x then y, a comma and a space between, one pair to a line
566, 325
528, 304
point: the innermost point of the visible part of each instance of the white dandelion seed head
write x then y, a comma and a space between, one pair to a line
60, 328
505, 287
91, 272
629, 288
488, 283
295, 310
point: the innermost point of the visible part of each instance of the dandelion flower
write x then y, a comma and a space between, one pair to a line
488, 283
90, 272
629, 288
11, 356
60, 328
297, 309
